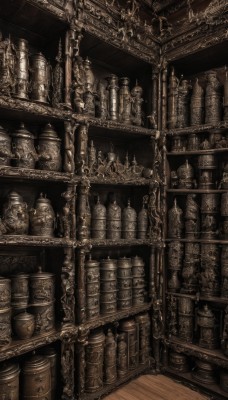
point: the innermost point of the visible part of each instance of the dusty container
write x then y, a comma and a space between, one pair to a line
23, 148
5, 292
44, 317
185, 175
5, 324
108, 297
5, 147
142, 223
92, 270
130, 329
92, 288
124, 268
42, 218
113, 221
138, 266
129, 222
209, 203
94, 357
19, 287
113, 97
197, 104
22, 74
178, 362
24, 325
143, 321
40, 79
15, 215
93, 301
107, 286
49, 150
124, 283
51, 355
42, 287
108, 269
36, 379
9, 381
98, 221
213, 99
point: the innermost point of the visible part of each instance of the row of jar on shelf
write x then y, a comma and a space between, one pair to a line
206, 172
113, 285
35, 377
18, 149
208, 220
215, 139
112, 355
202, 324
198, 269
17, 219
22, 292
28, 75
190, 105
116, 223
201, 370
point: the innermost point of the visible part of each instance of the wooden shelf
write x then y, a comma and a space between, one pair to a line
18, 347
186, 378
211, 356
198, 297
31, 241
115, 243
199, 191
222, 125
114, 126
117, 181
35, 174
118, 315
196, 152
209, 241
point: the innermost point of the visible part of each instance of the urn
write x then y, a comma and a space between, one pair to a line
49, 150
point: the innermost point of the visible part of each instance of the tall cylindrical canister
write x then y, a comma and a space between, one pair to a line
5, 291
178, 362
129, 222
49, 150
183, 104
40, 79
124, 278
138, 283
130, 329
185, 318
175, 221
113, 220
9, 381
110, 372
108, 286
36, 379
113, 97
42, 287
144, 337
51, 355
172, 100
5, 323
142, 222
5, 147
20, 288
124, 101
94, 357
44, 314
98, 221
197, 104
208, 328
213, 103
22, 74
92, 273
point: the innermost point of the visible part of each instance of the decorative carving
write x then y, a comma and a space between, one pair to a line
42, 218
67, 286
82, 148
25, 155
110, 354
67, 369
94, 356
67, 216
15, 220
175, 222
22, 70
84, 214
8, 65
58, 79
136, 107
40, 79
49, 149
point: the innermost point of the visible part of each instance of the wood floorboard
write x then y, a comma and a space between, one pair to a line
155, 387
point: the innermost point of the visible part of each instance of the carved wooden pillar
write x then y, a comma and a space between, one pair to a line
152, 273
164, 96
83, 211
68, 219
68, 286
80, 359
155, 97
82, 149
80, 286
69, 138
68, 67
68, 337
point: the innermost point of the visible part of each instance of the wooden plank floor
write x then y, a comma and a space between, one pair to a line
152, 387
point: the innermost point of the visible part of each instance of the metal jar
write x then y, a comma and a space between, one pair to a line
24, 325
98, 221
40, 79
22, 72
5, 147
5, 292
113, 221
129, 222
143, 321
178, 362
19, 287
130, 329
15, 215
44, 317
5, 324
9, 381
185, 175
138, 267
108, 269
94, 357
49, 150
51, 355
36, 379
42, 218
23, 148
42, 287
124, 268
113, 97
142, 225
197, 104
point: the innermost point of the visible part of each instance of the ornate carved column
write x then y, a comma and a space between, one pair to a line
68, 337
82, 149
68, 219
163, 94
82, 341
69, 138
152, 291
68, 67
83, 211
80, 286
68, 285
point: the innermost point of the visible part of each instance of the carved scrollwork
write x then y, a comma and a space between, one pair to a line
67, 285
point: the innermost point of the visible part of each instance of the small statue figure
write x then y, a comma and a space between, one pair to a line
136, 105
